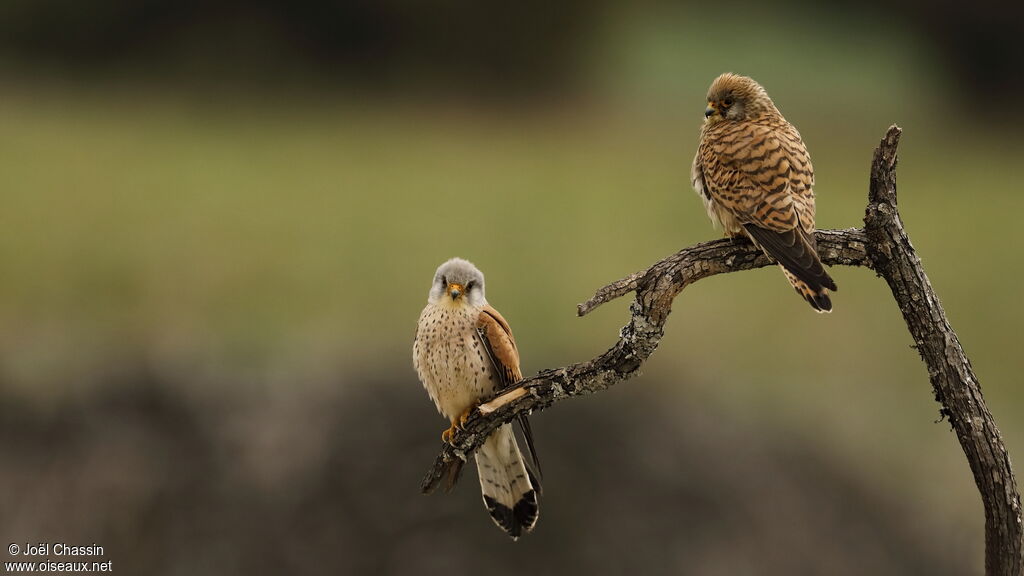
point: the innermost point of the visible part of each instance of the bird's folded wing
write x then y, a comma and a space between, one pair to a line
796, 254
496, 336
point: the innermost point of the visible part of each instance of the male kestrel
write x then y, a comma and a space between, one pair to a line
755, 176
464, 352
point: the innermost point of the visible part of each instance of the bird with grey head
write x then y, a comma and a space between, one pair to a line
464, 353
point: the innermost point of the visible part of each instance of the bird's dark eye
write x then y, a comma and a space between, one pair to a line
470, 285
727, 102
444, 280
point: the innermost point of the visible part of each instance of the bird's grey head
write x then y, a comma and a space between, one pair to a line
458, 281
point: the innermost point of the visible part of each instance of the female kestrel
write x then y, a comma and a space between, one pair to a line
464, 352
755, 176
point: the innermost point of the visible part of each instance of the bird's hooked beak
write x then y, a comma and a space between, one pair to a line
710, 110
455, 290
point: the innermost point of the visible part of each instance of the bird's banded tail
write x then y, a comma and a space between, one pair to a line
818, 299
796, 252
508, 488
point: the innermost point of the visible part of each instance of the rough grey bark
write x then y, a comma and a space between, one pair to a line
952, 377
881, 245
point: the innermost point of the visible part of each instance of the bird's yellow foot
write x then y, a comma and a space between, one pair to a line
465, 416
446, 435
457, 424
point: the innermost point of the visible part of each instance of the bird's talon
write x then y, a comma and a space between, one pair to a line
446, 435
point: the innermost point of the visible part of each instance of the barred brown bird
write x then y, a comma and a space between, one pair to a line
755, 176
464, 352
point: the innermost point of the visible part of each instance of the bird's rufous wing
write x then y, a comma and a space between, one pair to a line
496, 336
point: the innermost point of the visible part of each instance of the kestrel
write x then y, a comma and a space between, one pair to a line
464, 352
755, 176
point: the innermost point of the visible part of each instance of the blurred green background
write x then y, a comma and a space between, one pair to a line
220, 221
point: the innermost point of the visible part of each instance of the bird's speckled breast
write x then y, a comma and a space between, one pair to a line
449, 358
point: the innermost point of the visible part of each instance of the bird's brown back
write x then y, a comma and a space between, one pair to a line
759, 170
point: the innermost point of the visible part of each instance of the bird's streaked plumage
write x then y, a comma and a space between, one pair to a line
464, 352
755, 176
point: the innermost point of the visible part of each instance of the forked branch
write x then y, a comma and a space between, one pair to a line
881, 245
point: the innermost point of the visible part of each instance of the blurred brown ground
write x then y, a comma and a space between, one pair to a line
328, 485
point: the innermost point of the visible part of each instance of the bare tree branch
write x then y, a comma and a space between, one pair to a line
952, 377
883, 246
